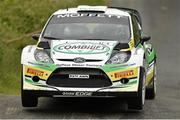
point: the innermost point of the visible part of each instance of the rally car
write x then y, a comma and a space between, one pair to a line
90, 51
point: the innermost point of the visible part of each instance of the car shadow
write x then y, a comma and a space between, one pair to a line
80, 108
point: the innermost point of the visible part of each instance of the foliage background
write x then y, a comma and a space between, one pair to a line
18, 20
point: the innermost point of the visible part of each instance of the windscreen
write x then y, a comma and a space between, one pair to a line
88, 26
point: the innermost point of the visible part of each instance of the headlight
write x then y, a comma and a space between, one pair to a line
42, 56
119, 58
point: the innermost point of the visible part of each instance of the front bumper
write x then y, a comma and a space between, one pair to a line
40, 93
114, 74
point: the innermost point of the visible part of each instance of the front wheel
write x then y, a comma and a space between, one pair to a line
151, 90
28, 100
138, 103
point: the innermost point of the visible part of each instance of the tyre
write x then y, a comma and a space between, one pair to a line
151, 90
27, 99
138, 102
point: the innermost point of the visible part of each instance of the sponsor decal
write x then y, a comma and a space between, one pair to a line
35, 72
77, 93
78, 65
81, 48
90, 65
124, 74
75, 15
63, 65
79, 76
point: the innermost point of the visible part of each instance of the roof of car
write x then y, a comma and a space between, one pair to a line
93, 9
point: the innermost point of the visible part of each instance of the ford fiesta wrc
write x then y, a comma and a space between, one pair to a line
90, 51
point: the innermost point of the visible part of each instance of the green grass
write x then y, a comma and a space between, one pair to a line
18, 18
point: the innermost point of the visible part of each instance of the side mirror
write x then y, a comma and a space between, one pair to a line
44, 44
145, 38
36, 36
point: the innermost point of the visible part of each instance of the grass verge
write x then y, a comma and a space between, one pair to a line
19, 18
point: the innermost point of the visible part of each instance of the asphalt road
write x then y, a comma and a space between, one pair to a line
161, 20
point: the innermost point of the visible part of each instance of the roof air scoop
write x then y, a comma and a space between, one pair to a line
86, 8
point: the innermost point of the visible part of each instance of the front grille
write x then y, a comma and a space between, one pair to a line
97, 78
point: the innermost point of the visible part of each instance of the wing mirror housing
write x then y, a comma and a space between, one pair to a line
36, 36
44, 44
145, 38
120, 46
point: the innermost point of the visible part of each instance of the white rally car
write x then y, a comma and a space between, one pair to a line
90, 51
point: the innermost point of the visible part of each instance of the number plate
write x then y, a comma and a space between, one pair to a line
77, 94
79, 76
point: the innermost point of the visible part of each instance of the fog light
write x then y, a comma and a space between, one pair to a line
35, 79
124, 80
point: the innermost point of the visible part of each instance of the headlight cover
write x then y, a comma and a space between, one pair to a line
119, 58
42, 56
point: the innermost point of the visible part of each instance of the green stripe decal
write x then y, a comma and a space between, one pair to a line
29, 81
45, 66
115, 67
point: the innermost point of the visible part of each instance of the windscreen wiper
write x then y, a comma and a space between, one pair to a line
91, 39
52, 38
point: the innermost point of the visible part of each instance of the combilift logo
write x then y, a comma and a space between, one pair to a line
81, 48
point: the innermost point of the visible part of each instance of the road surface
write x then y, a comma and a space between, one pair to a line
161, 20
